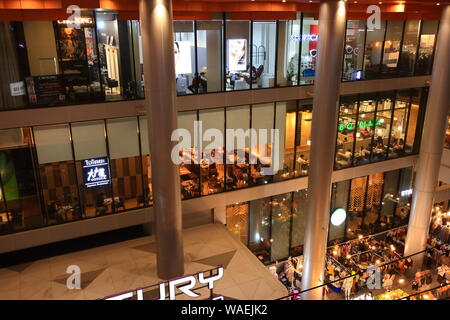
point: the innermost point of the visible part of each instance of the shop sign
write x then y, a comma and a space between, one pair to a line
406, 193
77, 21
304, 37
17, 88
362, 124
96, 172
185, 285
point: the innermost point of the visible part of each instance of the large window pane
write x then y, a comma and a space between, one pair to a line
389, 200
399, 124
354, 50
391, 52
339, 199
125, 163
263, 54
373, 51
426, 47
346, 131
260, 227
262, 120
209, 54
18, 177
237, 221
303, 138
147, 199
281, 224
89, 143
285, 122
310, 31
237, 147
185, 59
299, 212
289, 39
212, 168
356, 207
189, 167
382, 126
58, 174
409, 48
237, 55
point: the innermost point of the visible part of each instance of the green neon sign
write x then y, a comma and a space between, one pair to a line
362, 124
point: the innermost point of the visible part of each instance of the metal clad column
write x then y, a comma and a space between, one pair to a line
159, 74
427, 173
331, 40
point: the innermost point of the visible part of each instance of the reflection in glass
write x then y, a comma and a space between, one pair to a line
289, 40
237, 55
373, 52
308, 55
354, 50
188, 81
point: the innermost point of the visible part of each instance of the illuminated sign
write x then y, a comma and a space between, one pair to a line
406, 193
96, 172
185, 285
304, 37
77, 21
237, 54
362, 124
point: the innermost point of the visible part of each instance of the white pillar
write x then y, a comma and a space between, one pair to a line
326, 97
427, 173
159, 75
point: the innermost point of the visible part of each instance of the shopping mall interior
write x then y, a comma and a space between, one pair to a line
301, 147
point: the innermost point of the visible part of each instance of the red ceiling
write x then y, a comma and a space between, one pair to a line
202, 9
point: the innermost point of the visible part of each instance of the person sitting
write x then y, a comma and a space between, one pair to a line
76, 213
100, 206
303, 162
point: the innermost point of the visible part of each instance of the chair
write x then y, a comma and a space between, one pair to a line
112, 83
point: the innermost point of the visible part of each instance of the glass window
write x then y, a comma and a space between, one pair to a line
10, 37
89, 143
286, 122
399, 124
364, 129
415, 121
262, 120
212, 168
426, 47
147, 199
299, 212
237, 72
209, 54
391, 52
189, 167
237, 147
372, 203
281, 225
382, 126
354, 50
389, 200
346, 131
125, 163
405, 197
260, 229
310, 31
185, 59
303, 138
21, 207
373, 52
289, 40
58, 173
409, 47
263, 54
356, 207
237, 221
339, 199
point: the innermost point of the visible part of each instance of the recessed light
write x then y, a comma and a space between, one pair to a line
438, 4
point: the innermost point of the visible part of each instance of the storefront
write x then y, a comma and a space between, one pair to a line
88, 59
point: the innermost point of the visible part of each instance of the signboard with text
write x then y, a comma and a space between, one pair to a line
96, 172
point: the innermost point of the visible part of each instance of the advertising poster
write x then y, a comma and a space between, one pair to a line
182, 57
237, 54
96, 172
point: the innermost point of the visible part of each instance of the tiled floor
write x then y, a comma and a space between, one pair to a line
131, 264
